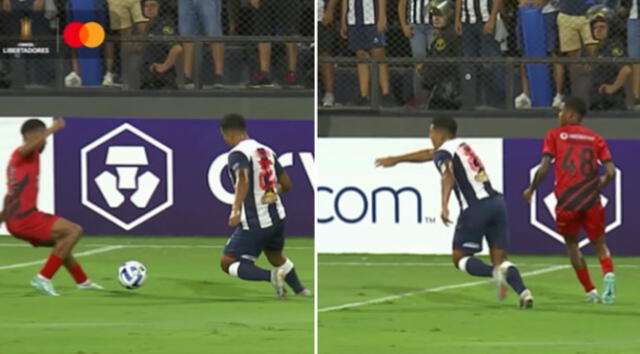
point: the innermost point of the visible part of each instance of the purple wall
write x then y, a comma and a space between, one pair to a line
520, 155
194, 143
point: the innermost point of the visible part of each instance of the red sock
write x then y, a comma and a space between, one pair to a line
51, 267
78, 274
607, 265
585, 280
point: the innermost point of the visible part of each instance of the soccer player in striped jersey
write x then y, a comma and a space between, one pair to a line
257, 212
576, 151
483, 212
26, 222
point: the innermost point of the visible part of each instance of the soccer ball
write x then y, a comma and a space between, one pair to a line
132, 274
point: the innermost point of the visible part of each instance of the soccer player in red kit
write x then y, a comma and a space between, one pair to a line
576, 150
26, 222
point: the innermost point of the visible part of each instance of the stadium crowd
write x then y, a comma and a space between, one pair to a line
454, 29
164, 63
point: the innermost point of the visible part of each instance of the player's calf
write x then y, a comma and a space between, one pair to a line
471, 265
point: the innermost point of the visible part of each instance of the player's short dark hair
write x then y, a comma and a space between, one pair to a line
576, 105
32, 125
446, 123
233, 121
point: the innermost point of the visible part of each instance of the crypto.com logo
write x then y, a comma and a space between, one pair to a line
550, 201
78, 34
112, 181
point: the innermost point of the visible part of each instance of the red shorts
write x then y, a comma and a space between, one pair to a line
35, 228
592, 220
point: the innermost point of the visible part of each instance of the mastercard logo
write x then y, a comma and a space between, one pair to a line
78, 34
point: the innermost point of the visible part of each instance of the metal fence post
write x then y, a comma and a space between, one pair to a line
197, 64
374, 86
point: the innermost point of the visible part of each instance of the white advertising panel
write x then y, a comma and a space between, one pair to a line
10, 139
364, 209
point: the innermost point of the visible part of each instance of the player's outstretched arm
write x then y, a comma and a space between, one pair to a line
284, 182
29, 147
416, 156
242, 188
609, 173
541, 174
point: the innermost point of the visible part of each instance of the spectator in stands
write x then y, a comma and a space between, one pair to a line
574, 33
443, 80
122, 15
285, 15
631, 8
194, 15
475, 22
414, 21
607, 80
327, 38
550, 16
363, 24
158, 70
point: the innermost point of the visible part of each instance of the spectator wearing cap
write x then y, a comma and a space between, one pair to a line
607, 80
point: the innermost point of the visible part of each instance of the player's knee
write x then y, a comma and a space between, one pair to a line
225, 263
77, 231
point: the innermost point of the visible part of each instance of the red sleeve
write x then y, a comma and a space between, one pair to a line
602, 149
549, 147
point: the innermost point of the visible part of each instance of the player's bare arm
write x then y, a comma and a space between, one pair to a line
284, 183
448, 181
609, 173
36, 144
242, 188
541, 174
415, 157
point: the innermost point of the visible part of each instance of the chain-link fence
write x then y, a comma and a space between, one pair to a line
156, 44
478, 54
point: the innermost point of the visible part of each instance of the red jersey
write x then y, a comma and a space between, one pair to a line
577, 150
22, 185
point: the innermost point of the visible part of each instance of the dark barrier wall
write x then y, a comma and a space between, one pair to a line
265, 106
530, 125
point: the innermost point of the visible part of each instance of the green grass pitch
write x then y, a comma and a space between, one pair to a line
187, 304
443, 310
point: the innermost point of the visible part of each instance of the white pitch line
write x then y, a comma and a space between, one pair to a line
146, 246
80, 254
433, 290
428, 264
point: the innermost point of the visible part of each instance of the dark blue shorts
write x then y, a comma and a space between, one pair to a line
248, 244
365, 37
487, 218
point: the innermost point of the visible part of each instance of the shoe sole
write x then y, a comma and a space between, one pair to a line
526, 304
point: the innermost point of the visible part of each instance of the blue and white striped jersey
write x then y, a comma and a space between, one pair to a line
471, 180
262, 207
362, 12
474, 11
418, 12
